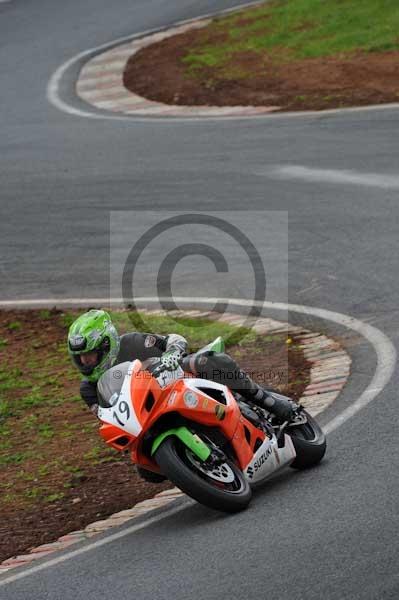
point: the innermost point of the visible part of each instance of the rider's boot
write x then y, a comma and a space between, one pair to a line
281, 406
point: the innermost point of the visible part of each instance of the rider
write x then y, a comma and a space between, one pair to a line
95, 346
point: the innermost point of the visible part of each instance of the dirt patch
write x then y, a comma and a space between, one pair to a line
258, 79
105, 489
56, 474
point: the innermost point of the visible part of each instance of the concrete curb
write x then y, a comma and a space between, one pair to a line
100, 83
328, 374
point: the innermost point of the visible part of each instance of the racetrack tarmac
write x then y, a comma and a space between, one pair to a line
331, 532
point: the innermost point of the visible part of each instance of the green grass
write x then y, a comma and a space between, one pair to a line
34, 398
33, 492
197, 331
45, 314
45, 431
298, 29
16, 458
29, 422
54, 497
6, 410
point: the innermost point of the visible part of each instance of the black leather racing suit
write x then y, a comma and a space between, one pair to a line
215, 366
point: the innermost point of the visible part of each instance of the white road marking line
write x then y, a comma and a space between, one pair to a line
335, 176
112, 537
383, 347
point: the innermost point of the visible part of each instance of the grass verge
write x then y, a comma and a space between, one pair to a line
284, 54
297, 29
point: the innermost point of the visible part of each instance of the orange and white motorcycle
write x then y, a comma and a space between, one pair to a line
212, 445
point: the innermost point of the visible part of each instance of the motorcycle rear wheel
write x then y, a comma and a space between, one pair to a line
179, 465
309, 442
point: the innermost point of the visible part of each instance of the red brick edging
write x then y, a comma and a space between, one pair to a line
100, 83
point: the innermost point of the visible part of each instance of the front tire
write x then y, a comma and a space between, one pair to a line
309, 442
182, 468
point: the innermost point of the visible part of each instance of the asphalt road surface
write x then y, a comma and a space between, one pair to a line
328, 533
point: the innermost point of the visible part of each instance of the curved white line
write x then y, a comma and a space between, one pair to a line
54, 97
53, 86
98, 543
384, 349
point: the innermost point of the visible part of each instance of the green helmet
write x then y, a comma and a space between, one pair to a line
93, 332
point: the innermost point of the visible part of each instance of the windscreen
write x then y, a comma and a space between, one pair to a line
111, 383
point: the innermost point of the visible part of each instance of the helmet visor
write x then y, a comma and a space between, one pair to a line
88, 361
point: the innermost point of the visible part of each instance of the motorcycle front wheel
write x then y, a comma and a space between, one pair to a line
222, 487
309, 442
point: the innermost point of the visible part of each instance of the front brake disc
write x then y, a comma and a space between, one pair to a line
221, 472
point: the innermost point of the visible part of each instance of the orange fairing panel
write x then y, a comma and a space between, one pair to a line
115, 436
186, 399
145, 393
244, 440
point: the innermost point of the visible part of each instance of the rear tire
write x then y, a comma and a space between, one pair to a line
173, 459
309, 442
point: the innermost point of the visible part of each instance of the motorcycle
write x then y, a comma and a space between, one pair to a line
209, 442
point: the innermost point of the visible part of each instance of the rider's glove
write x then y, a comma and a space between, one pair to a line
94, 409
171, 359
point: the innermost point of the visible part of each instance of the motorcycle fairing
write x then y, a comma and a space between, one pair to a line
130, 416
122, 413
216, 346
268, 459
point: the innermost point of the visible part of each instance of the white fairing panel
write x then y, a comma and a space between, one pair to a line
193, 383
121, 413
268, 459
